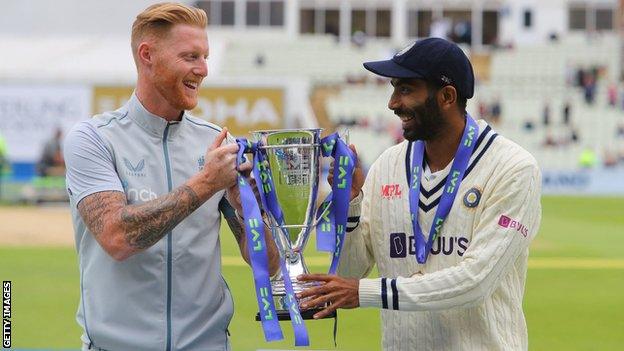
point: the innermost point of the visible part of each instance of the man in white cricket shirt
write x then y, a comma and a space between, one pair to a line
447, 216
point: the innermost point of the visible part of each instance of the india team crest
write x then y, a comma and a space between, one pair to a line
472, 198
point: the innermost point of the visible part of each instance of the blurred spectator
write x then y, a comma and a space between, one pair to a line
620, 130
496, 111
587, 158
553, 37
609, 159
566, 113
612, 94
580, 78
528, 125
51, 162
260, 60
589, 87
574, 137
546, 114
483, 110
549, 140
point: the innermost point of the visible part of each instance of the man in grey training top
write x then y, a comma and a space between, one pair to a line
147, 184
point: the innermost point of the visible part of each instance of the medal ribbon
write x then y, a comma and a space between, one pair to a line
449, 192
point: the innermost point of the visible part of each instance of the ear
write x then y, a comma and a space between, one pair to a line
447, 97
145, 53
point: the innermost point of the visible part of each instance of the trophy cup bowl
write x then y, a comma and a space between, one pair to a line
293, 157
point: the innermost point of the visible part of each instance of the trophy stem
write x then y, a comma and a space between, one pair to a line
295, 265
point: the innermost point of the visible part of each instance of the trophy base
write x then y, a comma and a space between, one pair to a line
283, 315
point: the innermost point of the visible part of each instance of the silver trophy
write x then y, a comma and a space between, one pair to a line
293, 156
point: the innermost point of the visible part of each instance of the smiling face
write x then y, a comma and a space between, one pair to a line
417, 107
179, 65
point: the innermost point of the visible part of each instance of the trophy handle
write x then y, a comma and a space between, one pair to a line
316, 220
345, 134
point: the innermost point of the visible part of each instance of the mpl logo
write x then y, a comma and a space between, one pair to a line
507, 222
391, 191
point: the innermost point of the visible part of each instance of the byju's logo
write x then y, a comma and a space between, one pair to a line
398, 247
391, 191
507, 222
135, 171
451, 245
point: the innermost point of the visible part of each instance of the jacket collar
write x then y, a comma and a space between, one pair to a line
150, 122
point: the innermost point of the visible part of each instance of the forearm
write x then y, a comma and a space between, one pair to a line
238, 230
123, 230
145, 224
356, 259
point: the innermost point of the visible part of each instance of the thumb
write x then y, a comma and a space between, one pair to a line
219, 140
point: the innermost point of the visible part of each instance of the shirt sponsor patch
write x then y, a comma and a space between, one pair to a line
134, 170
507, 222
401, 245
391, 191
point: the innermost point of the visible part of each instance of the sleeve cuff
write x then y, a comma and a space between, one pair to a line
355, 205
370, 292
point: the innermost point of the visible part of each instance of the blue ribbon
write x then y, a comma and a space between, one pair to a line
264, 295
332, 224
330, 230
290, 301
256, 246
451, 187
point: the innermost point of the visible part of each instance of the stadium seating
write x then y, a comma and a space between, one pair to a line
524, 79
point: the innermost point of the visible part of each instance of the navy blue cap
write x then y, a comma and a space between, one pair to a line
433, 59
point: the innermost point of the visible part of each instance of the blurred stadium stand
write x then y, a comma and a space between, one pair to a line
526, 57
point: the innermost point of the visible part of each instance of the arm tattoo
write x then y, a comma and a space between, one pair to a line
143, 224
235, 224
95, 208
147, 223
236, 227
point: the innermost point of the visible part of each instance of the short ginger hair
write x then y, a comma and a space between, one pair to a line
158, 19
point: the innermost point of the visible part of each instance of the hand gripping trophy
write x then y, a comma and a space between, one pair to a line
286, 169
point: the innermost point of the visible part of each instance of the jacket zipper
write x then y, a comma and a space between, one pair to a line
169, 240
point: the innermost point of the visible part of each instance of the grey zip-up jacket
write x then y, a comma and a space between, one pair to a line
171, 296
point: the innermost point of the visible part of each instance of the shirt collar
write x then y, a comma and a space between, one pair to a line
150, 122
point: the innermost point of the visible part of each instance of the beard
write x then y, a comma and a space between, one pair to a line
426, 121
172, 90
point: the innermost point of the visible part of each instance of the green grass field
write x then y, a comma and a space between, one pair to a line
574, 295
